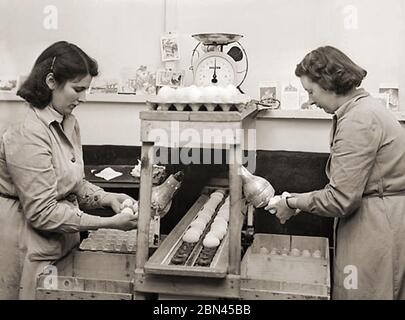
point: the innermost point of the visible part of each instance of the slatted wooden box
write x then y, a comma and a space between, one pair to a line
87, 275
287, 274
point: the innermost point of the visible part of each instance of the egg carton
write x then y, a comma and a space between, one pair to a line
110, 240
193, 106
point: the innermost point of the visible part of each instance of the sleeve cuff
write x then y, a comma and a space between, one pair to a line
89, 222
303, 201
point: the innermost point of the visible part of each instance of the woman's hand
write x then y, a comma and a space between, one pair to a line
124, 221
115, 201
278, 205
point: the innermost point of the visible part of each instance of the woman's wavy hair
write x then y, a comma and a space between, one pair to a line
331, 69
66, 61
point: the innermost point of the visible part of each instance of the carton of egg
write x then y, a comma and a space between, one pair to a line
294, 252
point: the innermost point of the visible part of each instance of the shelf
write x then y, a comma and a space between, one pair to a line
294, 114
307, 114
126, 180
103, 98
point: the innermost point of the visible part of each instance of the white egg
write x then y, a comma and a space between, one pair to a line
204, 216
317, 254
181, 95
193, 94
127, 210
198, 224
135, 207
224, 215
295, 252
219, 227
217, 194
127, 203
306, 253
191, 236
274, 251
226, 96
211, 242
211, 234
220, 220
224, 208
263, 250
219, 233
166, 94
210, 94
209, 205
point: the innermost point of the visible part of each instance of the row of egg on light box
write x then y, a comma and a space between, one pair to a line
198, 225
294, 252
208, 94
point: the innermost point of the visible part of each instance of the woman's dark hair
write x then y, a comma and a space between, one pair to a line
331, 69
66, 61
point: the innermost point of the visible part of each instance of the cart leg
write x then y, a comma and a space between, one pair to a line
142, 247
235, 221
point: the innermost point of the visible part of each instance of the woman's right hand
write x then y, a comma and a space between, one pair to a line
124, 221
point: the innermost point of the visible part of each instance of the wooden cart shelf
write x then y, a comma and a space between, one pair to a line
228, 129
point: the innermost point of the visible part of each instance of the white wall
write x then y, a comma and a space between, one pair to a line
277, 34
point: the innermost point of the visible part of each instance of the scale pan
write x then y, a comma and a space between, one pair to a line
217, 38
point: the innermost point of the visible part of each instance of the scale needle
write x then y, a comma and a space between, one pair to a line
214, 77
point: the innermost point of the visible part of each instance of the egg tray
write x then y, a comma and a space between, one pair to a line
192, 106
110, 240
175, 257
201, 256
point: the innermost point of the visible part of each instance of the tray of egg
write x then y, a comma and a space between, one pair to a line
193, 98
201, 247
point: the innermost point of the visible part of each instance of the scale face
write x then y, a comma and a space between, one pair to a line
215, 64
215, 69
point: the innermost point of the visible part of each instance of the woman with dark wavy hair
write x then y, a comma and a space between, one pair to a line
42, 186
366, 189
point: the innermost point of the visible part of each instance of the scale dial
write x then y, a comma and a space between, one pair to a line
215, 69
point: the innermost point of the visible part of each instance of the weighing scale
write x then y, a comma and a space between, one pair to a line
219, 60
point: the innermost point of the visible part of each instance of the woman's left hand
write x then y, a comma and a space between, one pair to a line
114, 201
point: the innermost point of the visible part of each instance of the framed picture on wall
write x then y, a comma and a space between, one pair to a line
383, 97
290, 96
268, 94
391, 91
171, 78
104, 86
169, 45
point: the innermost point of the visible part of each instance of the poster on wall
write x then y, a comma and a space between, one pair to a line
169, 46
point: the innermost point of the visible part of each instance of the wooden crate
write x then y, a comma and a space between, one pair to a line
265, 275
87, 275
